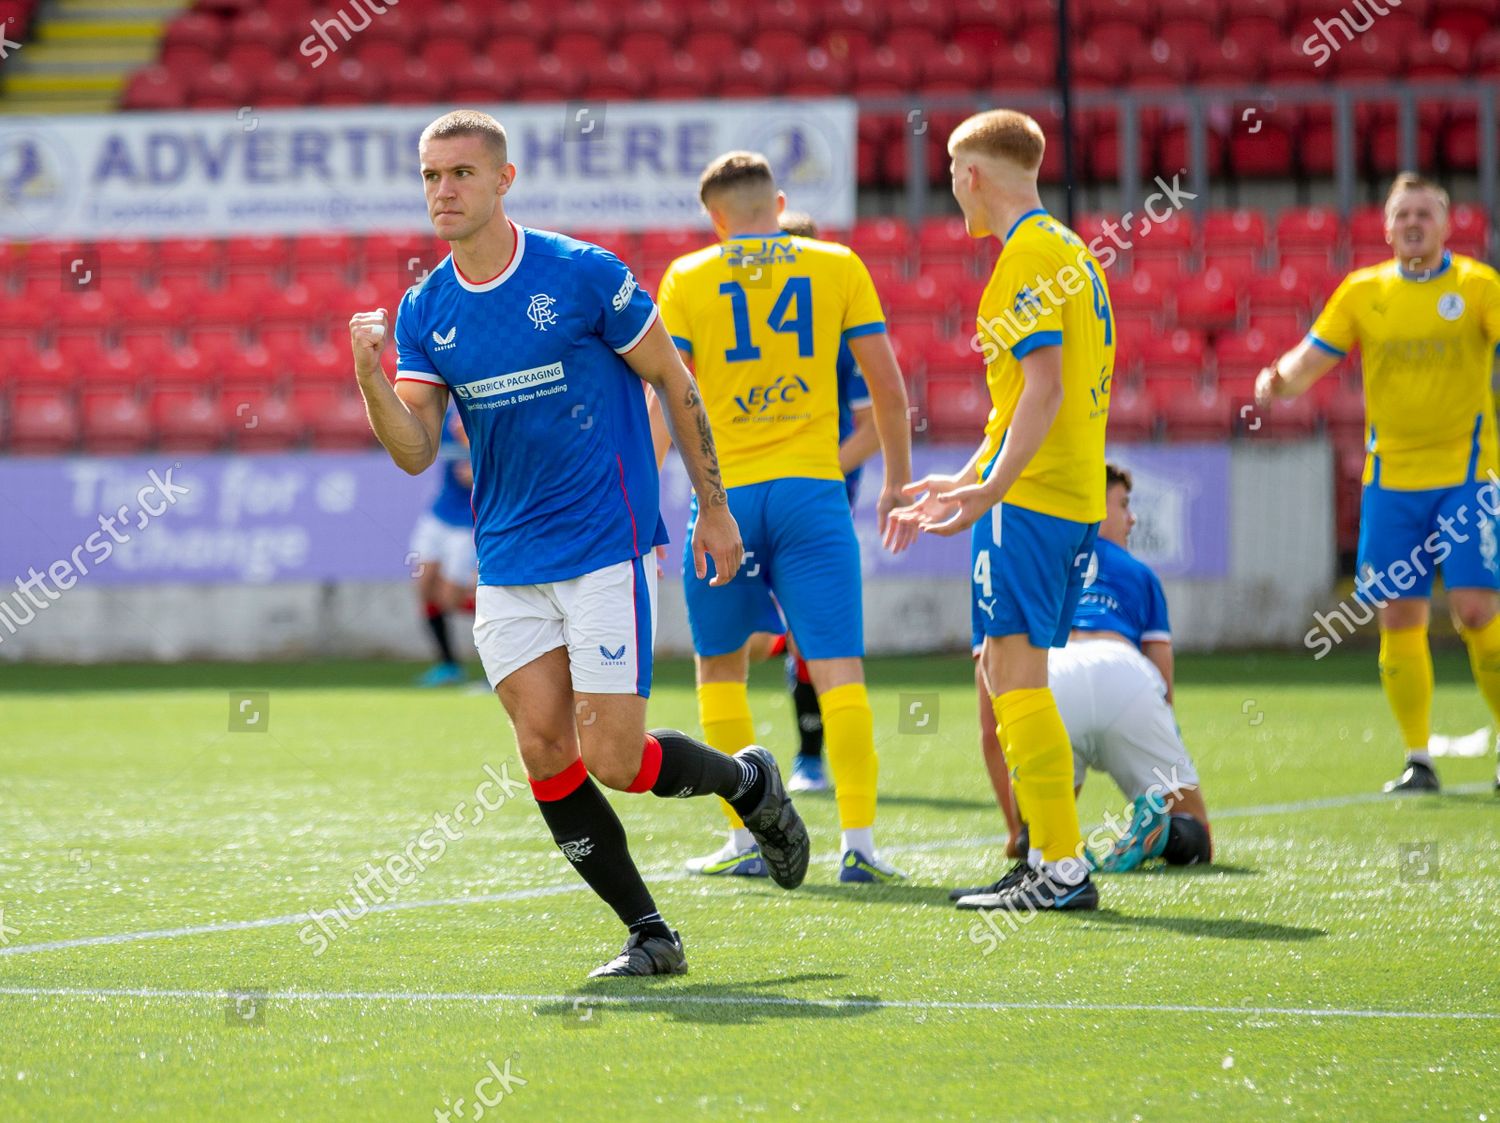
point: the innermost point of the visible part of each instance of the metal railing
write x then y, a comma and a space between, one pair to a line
1200, 106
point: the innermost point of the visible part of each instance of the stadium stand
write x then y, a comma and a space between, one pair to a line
239, 343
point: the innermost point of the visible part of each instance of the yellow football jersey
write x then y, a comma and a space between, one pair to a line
763, 318
1428, 348
1047, 289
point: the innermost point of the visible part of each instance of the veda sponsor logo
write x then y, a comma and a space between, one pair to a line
510, 383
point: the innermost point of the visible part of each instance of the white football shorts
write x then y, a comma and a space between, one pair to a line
449, 547
1113, 702
606, 619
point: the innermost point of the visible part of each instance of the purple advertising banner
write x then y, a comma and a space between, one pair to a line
1180, 499
222, 519
349, 516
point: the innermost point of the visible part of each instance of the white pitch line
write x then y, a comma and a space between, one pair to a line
671, 873
774, 1000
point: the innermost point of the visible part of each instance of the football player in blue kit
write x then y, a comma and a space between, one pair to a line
547, 343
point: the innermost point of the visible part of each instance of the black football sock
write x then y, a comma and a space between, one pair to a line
437, 623
1188, 842
688, 767
590, 835
809, 720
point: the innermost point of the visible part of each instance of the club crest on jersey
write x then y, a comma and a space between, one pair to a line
1450, 306
540, 313
614, 658
1091, 574
445, 342
627, 290
577, 851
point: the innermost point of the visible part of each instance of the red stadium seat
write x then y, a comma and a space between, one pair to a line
43, 422
1284, 290
920, 299
1166, 273
188, 420
1343, 408
335, 415
1174, 236
1195, 415
1099, 62
264, 420
1308, 228
1226, 231
815, 73
1282, 329
957, 406
1177, 356
1439, 55
1243, 356
934, 15
1470, 229
114, 421
1373, 56
1209, 303
1142, 300
945, 239
748, 73
1132, 414
1236, 267
1464, 19
954, 69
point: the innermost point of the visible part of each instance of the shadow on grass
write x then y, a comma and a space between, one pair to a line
935, 802
1225, 929
743, 1003
901, 893
1164, 870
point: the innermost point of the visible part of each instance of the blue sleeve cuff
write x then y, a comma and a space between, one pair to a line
1034, 341
858, 330
682, 344
1328, 348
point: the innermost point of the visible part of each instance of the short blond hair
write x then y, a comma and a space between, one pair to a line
470, 122
1415, 181
1003, 134
799, 223
733, 170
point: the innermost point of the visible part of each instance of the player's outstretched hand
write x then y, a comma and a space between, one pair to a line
1265, 386
945, 505
895, 534
367, 334
716, 535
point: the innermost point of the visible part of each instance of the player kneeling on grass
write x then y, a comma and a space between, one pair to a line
1113, 684
527, 329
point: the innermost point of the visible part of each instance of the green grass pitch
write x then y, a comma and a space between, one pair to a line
1340, 962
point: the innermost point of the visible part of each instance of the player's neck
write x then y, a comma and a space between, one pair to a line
1420, 268
1007, 210
753, 225
484, 255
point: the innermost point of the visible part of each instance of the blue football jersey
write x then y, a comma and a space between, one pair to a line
853, 395
565, 477
452, 504
1121, 594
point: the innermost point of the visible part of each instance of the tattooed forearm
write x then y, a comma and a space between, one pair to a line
703, 465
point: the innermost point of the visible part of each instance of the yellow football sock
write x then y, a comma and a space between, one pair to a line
849, 735
1015, 793
724, 713
1484, 658
1406, 677
1041, 770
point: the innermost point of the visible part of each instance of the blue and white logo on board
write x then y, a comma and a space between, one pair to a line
811, 156
34, 185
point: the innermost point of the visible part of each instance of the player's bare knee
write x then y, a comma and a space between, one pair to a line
1470, 614
610, 770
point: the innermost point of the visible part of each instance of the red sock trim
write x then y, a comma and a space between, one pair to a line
645, 779
469, 606
433, 609
778, 646
564, 784
802, 672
